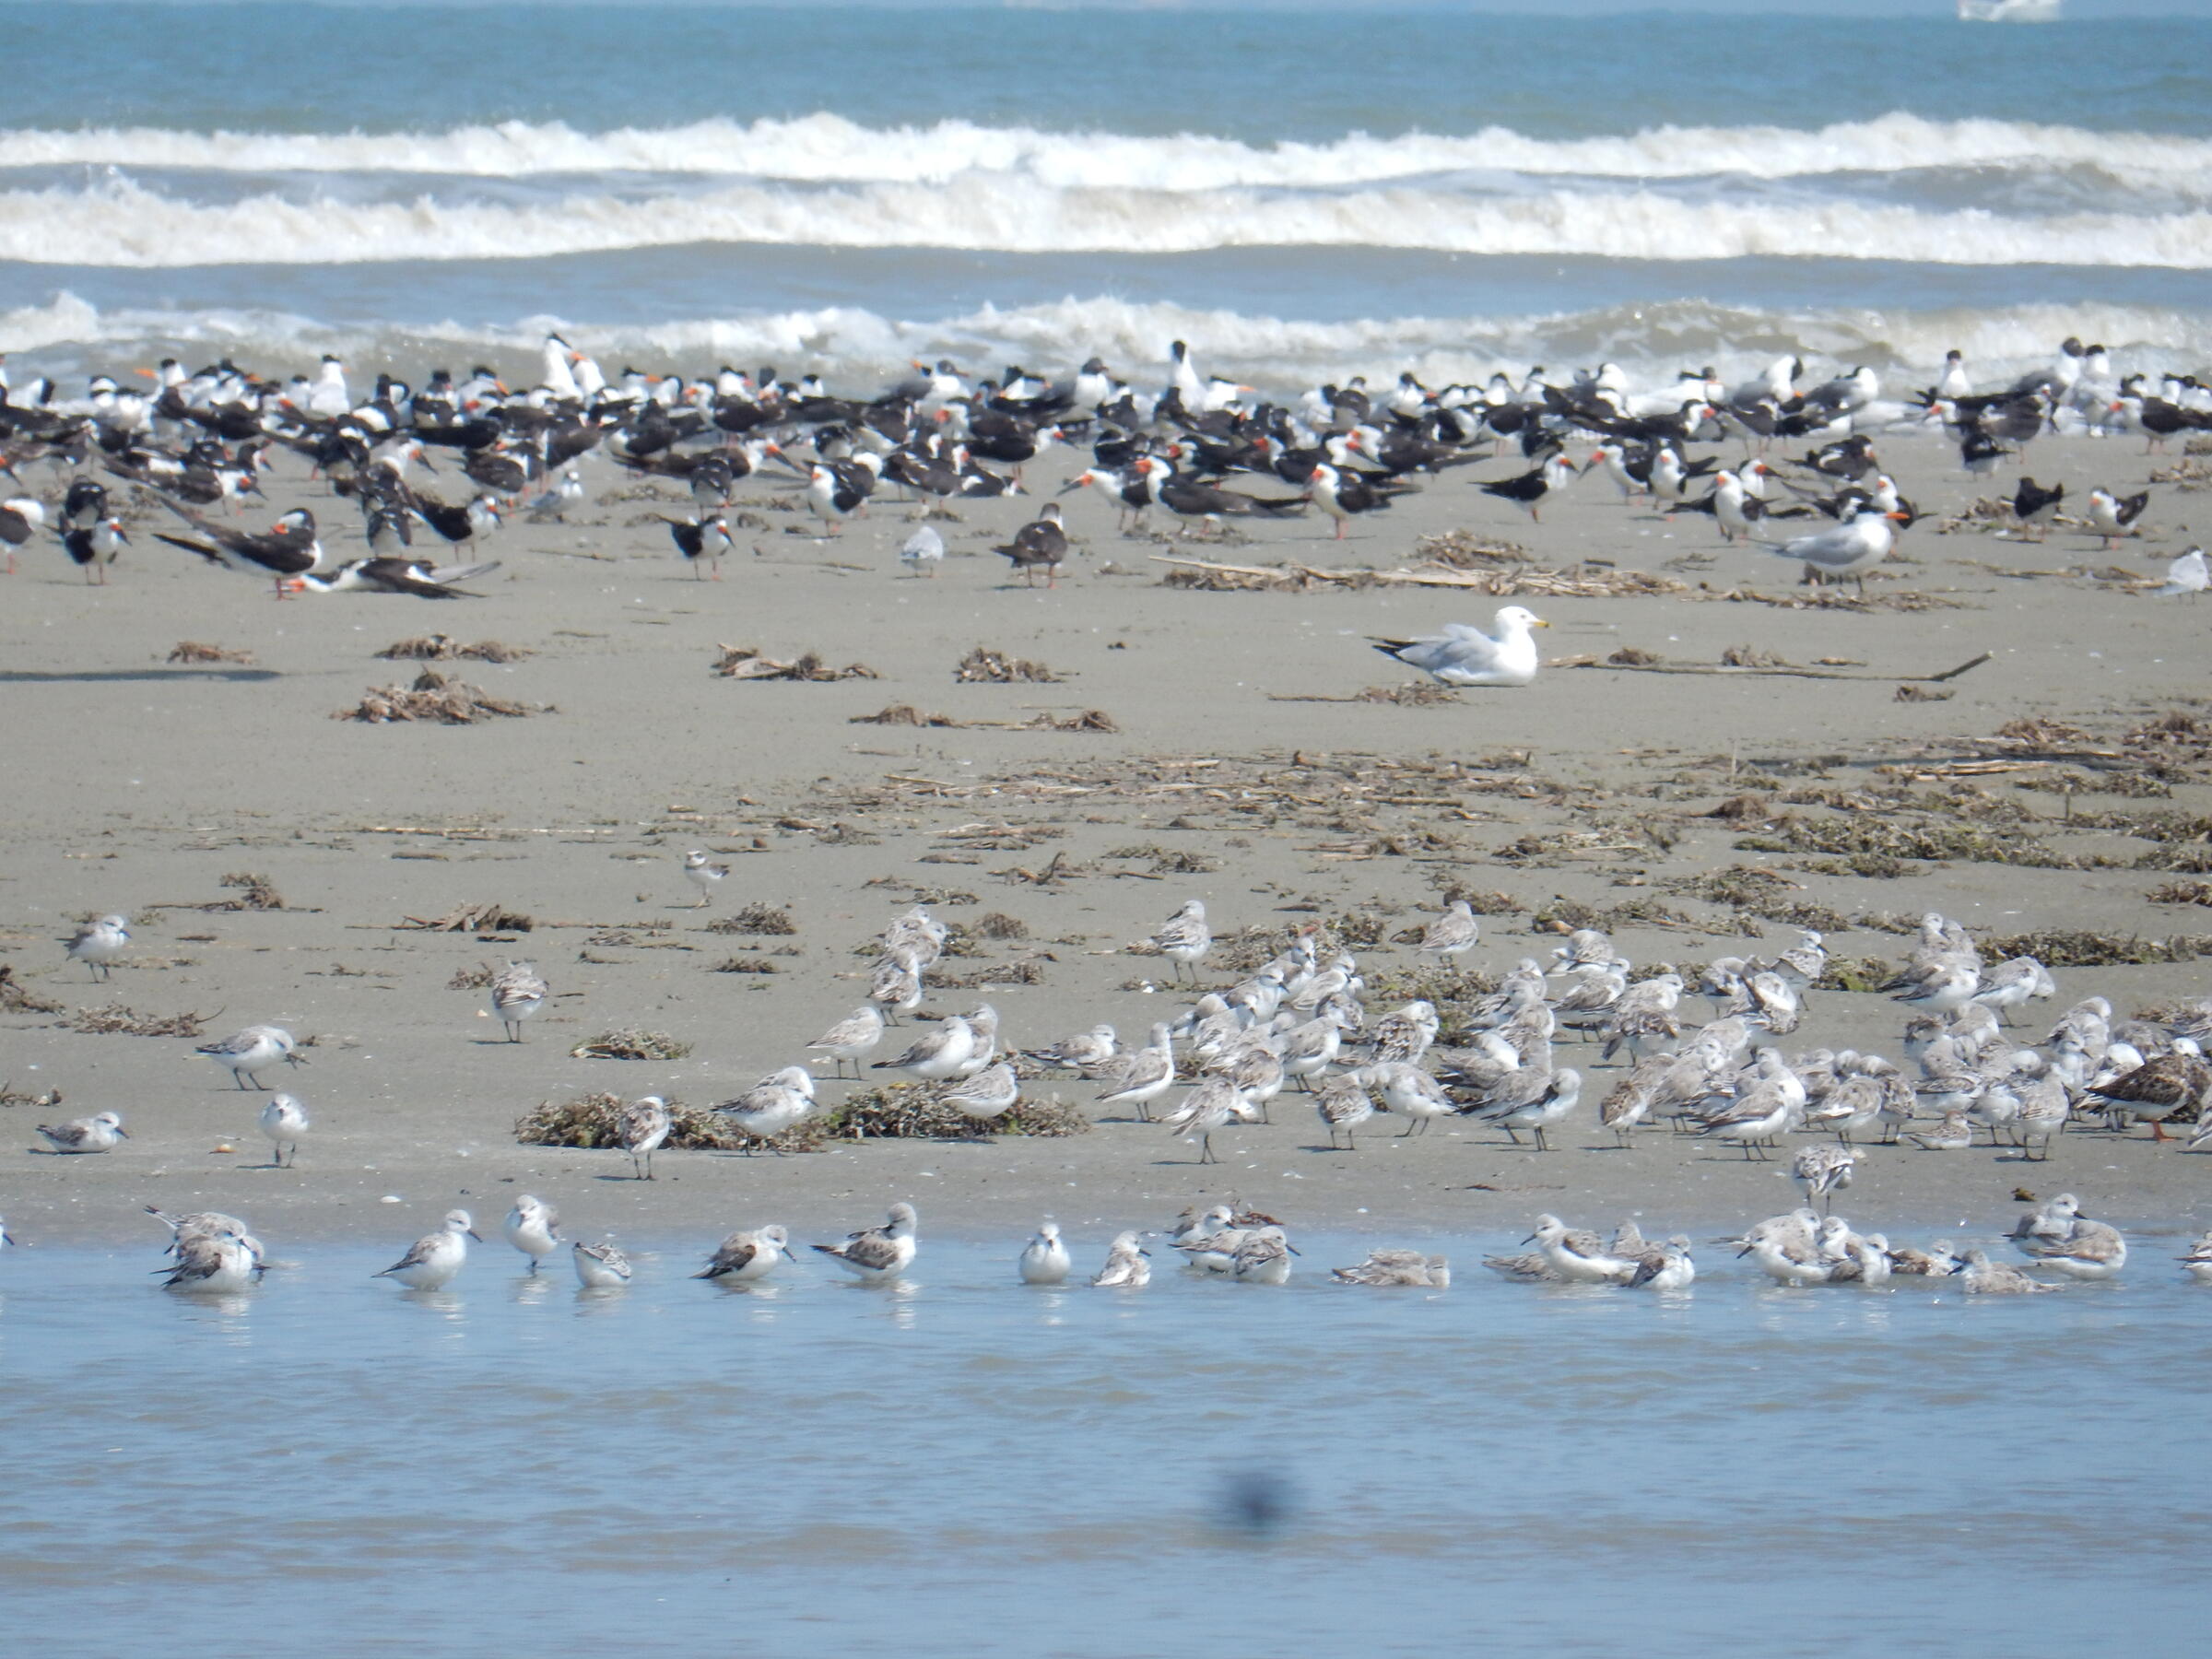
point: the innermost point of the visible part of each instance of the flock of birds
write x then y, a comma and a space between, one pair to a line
1203, 449
1301, 1019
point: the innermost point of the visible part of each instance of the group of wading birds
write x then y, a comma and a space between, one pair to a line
1299, 1018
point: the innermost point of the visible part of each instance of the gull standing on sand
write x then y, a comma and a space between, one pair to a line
642, 1130
250, 1050
851, 1038
98, 943
743, 1257
284, 1120
96, 1133
705, 873
880, 1254
1184, 937
533, 1228
517, 992
598, 1266
1044, 1260
1127, 1267
1463, 655
433, 1260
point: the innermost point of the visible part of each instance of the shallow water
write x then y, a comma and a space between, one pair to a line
972, 1467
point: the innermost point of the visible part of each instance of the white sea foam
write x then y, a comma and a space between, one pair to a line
858, 347
830, 148
122, 223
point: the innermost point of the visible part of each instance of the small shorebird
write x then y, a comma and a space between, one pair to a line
880, 1254
986, 1097
1206, 1108
1344, 1104
284, 1120
213, 1263
1578, 1255
433, 1260
250, 1050
705, 875
2198, 1264
1392, 1267
1454, 933
517, 992
1822, 1172
1184, 937
1129, 1267
1985, 1277
533, 1228
98, 943
1150, 1073
96, 1133
851, 1039
937, 1055
895, 984
1411, 1093
1044, 1260
1263, 1258
780, 1101
642, 1130
1664, 1266
599, 1267
1086, 1051
743, 1257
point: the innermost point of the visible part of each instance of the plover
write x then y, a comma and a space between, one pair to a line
98, 943
705, 875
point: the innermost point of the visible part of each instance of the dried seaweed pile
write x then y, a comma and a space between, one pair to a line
1890, 838
16, 997
254, 893
747, 663
193, 650
442, 648
1836, 599
433, 699
12, 1096
629, 1042
983, 666
1467, 549
902, 714
472, 918
764, 919
115, 1020
593, 1121
914, 1112
2078, 947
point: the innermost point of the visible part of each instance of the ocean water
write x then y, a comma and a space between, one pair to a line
1298, 194
970, 1466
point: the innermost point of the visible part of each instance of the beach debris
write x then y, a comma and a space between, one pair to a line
115, 1020
630, 1043
1577, 581
904, 714
2082, 947
745, 662
193, 650
433, 699
479, 977
756, 918
996, 667
1920, 694
916, 1111
12, 1096
745, 964
442, 648
593, 1121
16, 997
2173, 892
471, 918
254, 893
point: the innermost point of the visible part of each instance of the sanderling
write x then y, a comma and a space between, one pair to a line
205, 1224
533, 1228
780, 1101
1206, 1108
2093, 1250
1664, 1266
922, 551
1044, 1260
1452, 934
517, 992
895, 984
431, 1260
1822, 1172
96, 1133
1263, 1258
745, 1256
1410, 1092
1936, 1262
98, 943
1149, 1074
916, 934
2198, 1264
1184, 937
983, 1020
642, 1130
937, 1055
2047, 1226
705, 873
1578, 1255
250, 1050
1194, 1226
1129, 1268
1985, 1277
851, 1038
214, 1263
879, 1254
1086, 1051
1396, 1268
598, 1266
1537, 1104
986, 1097
284, 1120
1344, 1105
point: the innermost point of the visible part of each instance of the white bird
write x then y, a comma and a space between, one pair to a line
1410, 1092
1463, 655
96, 1133
1667, 1267
1263, 1258
1206, 1108
1851, 548
533, 1228
705, 873
517, 992
986, 1097
284, 1120
780, 1101
922, 552
599, 1267
851, 1038
743, 1257
1578, 1255
213, 1262
1184, 937
1452, 934
98, 943
1128, 1266
937, 1055
2186, 574
879, 1254
433, 1260
642, 1130
1150, 1073
246, 1053
1044, 1260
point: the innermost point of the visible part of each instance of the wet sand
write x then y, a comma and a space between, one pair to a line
139, 785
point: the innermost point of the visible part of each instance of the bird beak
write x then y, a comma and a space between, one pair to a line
1540, 622
121, 1131
1530, 1240
295, 1060
1903, 518
476, 1235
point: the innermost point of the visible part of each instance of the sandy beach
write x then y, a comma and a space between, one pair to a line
1238, 751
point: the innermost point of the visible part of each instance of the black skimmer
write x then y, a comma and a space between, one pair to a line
833, 495
2113, 516
701, 542
1340, 495
1040, 545
1130, 491
408, 576
287, 548
1980, 453
2032, 504
1189, 499
19, 520
1529, 489
96, 549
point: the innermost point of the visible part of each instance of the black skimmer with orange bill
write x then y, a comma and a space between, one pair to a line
1342, 495
287, 548
1529, 489
408, 576
2032, 504
95, 549
1040, 545
702, 542
2113, 516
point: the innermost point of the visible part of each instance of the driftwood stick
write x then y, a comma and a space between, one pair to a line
1792, 673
